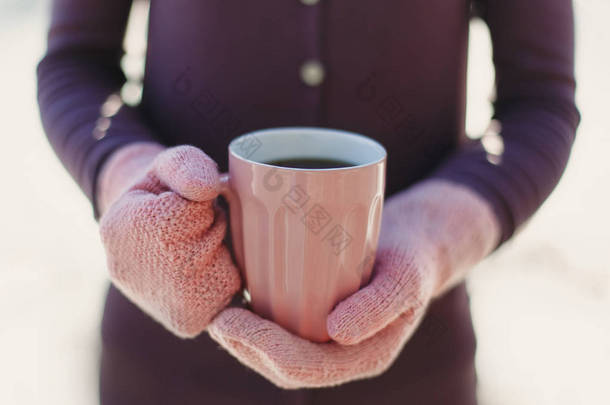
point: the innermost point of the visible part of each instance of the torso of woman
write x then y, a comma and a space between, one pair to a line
394, 72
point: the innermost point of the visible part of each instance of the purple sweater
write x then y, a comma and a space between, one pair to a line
394, 71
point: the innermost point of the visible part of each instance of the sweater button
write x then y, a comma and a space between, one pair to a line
312, 73
310, 2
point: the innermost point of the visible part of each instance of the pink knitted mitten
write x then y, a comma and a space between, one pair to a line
431, 235
164, 241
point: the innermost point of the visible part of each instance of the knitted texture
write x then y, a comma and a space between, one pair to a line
164, 242
122, 169
292, 362
431, 235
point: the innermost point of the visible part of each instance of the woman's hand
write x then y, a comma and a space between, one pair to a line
163, 235
364, 347
431, 235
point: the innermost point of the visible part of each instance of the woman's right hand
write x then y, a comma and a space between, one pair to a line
163, 237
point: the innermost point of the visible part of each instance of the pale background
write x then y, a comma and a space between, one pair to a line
541, 305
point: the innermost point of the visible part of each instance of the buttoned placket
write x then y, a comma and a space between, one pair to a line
312, 72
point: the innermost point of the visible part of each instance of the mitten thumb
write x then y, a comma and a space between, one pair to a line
189, 172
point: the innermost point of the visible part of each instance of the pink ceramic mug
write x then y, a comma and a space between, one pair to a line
304, 239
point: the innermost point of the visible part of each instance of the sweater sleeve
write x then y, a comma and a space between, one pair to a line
79, 78
533, 52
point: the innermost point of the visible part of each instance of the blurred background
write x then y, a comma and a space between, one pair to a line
541, 305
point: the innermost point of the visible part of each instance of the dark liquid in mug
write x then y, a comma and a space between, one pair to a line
310, 163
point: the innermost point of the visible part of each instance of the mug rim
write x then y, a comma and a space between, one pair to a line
320, 130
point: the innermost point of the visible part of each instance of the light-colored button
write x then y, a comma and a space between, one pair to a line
310, 2
312, 73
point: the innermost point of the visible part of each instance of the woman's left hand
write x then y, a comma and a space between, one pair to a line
431, 235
